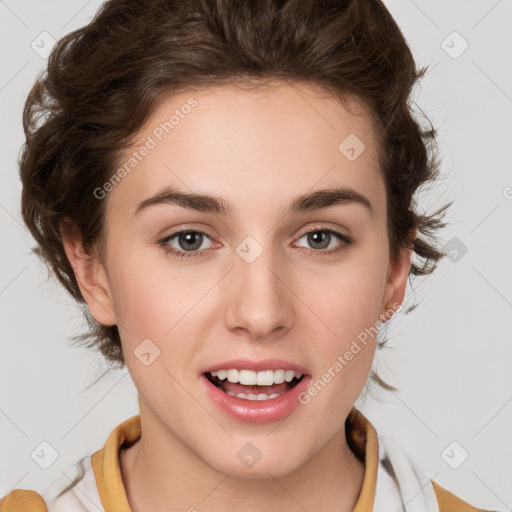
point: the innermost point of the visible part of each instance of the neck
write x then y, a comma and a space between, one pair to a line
161, 474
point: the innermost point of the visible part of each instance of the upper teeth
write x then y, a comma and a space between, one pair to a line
263, 378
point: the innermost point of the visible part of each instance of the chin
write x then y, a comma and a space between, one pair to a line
250, 462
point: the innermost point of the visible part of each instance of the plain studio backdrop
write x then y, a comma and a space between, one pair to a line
450, 359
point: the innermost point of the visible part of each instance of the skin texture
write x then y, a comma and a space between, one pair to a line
258, 149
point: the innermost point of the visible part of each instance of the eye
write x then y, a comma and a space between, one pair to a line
322, 239
190, 243
183, 244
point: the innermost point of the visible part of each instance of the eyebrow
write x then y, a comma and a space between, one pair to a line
212, 204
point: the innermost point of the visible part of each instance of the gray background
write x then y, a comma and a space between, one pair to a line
450, 359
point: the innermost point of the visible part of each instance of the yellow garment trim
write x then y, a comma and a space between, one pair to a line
368, 444
448, 502
22, 500
107, 469
105, 463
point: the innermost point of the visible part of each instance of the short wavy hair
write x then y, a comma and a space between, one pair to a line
104, 80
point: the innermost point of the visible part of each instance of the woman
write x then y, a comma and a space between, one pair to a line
228, 187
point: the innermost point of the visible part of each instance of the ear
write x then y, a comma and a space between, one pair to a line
396, 281
90, 275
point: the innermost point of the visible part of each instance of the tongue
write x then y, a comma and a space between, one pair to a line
236, 388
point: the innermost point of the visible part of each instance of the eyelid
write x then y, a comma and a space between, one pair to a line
345, 240
185, 228
305, 231
323, 227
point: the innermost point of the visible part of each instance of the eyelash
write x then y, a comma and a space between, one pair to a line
347, 241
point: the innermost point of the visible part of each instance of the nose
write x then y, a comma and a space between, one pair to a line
259, 298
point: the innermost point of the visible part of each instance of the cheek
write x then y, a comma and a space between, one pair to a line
150, 295
156, 298
349, 298
345, 341
140, 299
348, 326
170, 306
347, 302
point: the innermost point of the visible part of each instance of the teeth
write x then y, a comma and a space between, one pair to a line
233, 375
247, 377
278, 376
262, 378
265, 378
261, 396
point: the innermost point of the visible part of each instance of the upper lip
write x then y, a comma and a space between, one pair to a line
256, 366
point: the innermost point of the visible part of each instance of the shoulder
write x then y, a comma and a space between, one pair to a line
400, 477
76, 490
63, 495
448, 502
22, 500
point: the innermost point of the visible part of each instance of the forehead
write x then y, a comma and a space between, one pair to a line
271, 142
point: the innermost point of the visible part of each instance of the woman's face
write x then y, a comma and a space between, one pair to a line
271, 273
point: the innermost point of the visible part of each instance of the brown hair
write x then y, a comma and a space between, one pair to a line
103, 82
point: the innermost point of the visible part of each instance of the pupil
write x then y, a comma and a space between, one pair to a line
188, 238
318, 237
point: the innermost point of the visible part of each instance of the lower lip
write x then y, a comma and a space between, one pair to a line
256, 411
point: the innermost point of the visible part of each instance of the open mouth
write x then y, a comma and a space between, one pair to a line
249, 385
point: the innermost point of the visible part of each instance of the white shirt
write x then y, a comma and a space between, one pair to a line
400, 486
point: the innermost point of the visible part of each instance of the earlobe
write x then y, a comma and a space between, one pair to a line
396, 283
91, 277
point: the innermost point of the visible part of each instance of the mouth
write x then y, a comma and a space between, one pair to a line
254, 385
252, 391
